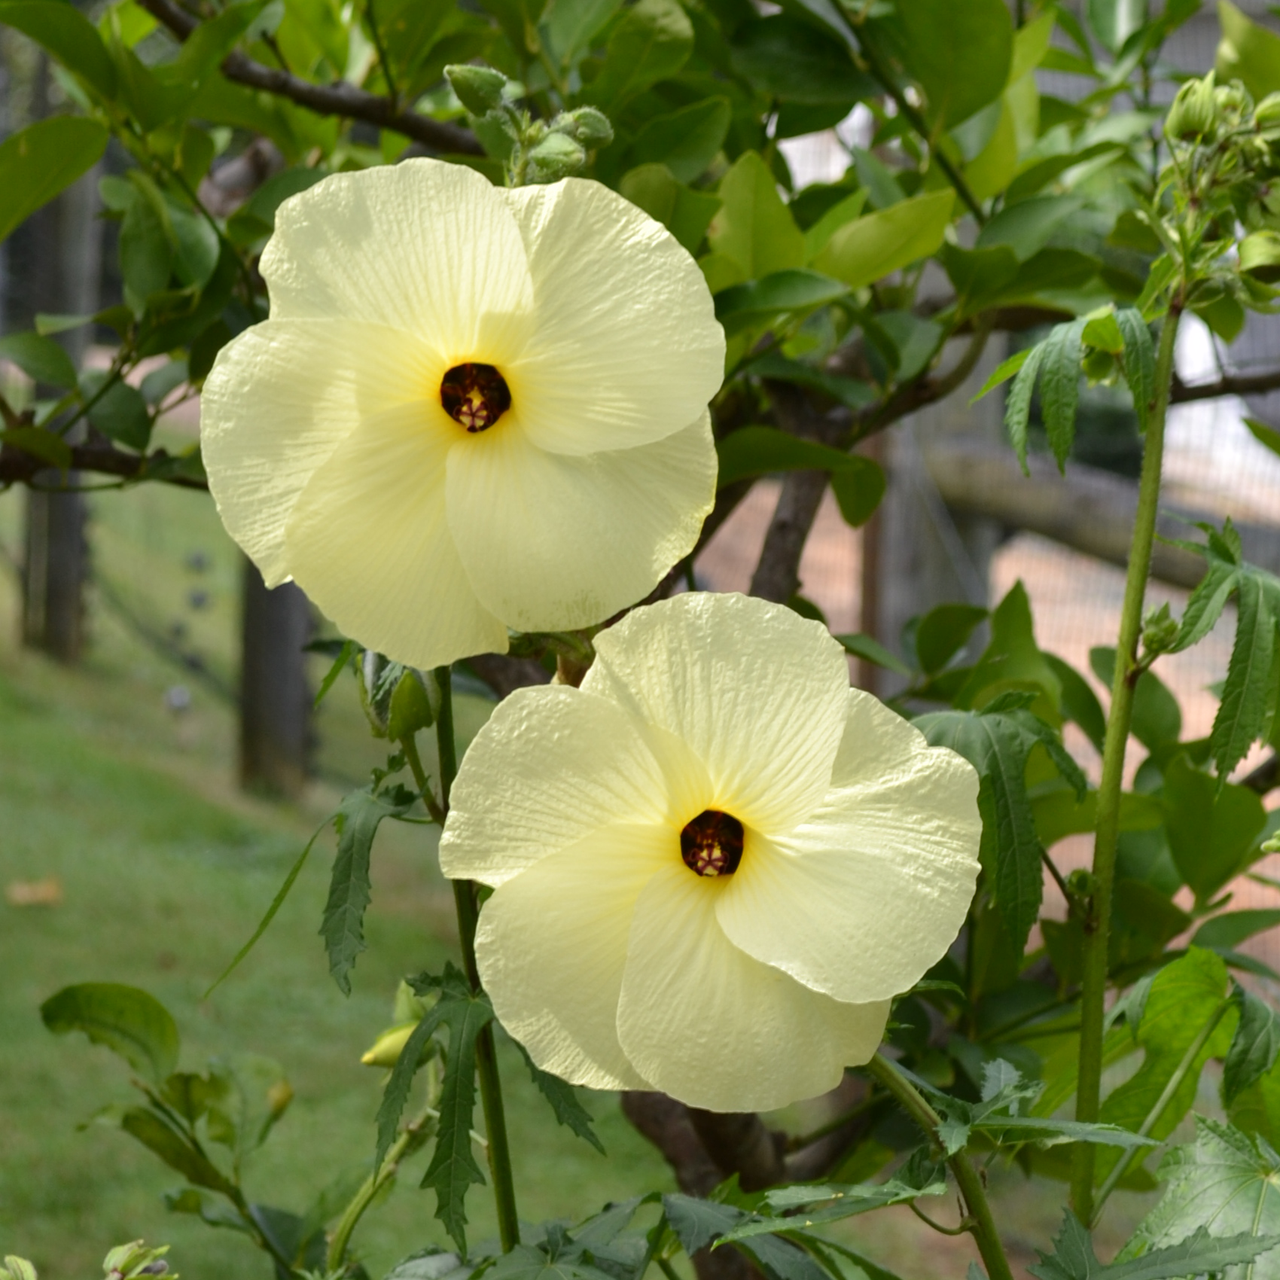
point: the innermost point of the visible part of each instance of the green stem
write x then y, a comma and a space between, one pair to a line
1097, 912
980, 1223
411, 1140
1172, 1086
464, 900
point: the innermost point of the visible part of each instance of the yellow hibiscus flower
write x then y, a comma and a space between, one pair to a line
715, 863
471, 408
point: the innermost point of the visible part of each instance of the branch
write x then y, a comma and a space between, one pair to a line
1230, 385
17, 467
337, 99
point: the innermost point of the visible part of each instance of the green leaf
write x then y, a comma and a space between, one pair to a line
793, 62
1138, 361
813, 1206
1003, 372
255, 219
1073, 1257
357, 821
40, 444
1060, 387
563, 1101
797, 290
698, 1223
1206, 604
1013, 661
758, 451
1254, 1047
1212, 828
1114, 21
936, 31
1264, 434
1243, 714
453, 1167
41, 161
1227, 931
1027, 226
870, 248
1080, 704
1224, 1184
155, 1133
1247, 52
1184, 997
684, 212
652, 42
943, 632
871, 650
686, 141
41, 359
276, 903
396, 1094
846, 391
1017, 409
121, 413
998, 746
67, 34
146, 251
131, 1023
432, 1263
858, 487
753, 226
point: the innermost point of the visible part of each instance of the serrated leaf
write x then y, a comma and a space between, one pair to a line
1242, 715
396, 1094
453, 1168
1206, 604
1225, 1184
1017, 409
342, 928
1060, 387
1003, 372
1138, 361
563, 1101
1254, 1047
128, 1020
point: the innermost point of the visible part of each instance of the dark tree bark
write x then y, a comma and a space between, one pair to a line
275, 698
66, 240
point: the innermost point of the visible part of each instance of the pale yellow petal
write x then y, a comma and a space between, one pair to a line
626, 348
424, 246
716, 1029
279, 399
552, 944
368, 541
553, 542
865, 897
755, 691
552, 766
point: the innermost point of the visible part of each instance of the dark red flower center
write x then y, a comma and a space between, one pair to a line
711, 844
474, 395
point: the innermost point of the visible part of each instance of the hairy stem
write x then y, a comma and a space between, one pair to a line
1097, 912
980, 1223
464, 900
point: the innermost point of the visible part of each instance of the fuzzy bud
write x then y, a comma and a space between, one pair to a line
479, 89
556, 156
585, 125
1194, 113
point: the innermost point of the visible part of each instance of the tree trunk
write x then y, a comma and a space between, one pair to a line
275, 698
64, 240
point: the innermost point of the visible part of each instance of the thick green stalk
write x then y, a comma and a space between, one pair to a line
979, 1221
1097, 916
464, 899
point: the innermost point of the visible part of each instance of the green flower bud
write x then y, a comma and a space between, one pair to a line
129, 1261
555, 157
386, 1049
585, 125
1194, 113
17, 1269
1234, 102
1260, 256
479, 89
1267, 113
1159, 630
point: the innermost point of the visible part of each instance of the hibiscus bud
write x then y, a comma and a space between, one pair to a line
1260, 256
585, 125
555, 157
1159, 630
1267, 114
479, 89
1194, 112
128, 1261
17, 1269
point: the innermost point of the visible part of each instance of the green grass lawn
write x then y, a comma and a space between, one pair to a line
166, 869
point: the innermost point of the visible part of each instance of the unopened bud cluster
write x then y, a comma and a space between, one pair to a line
540, 150
1224, 176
